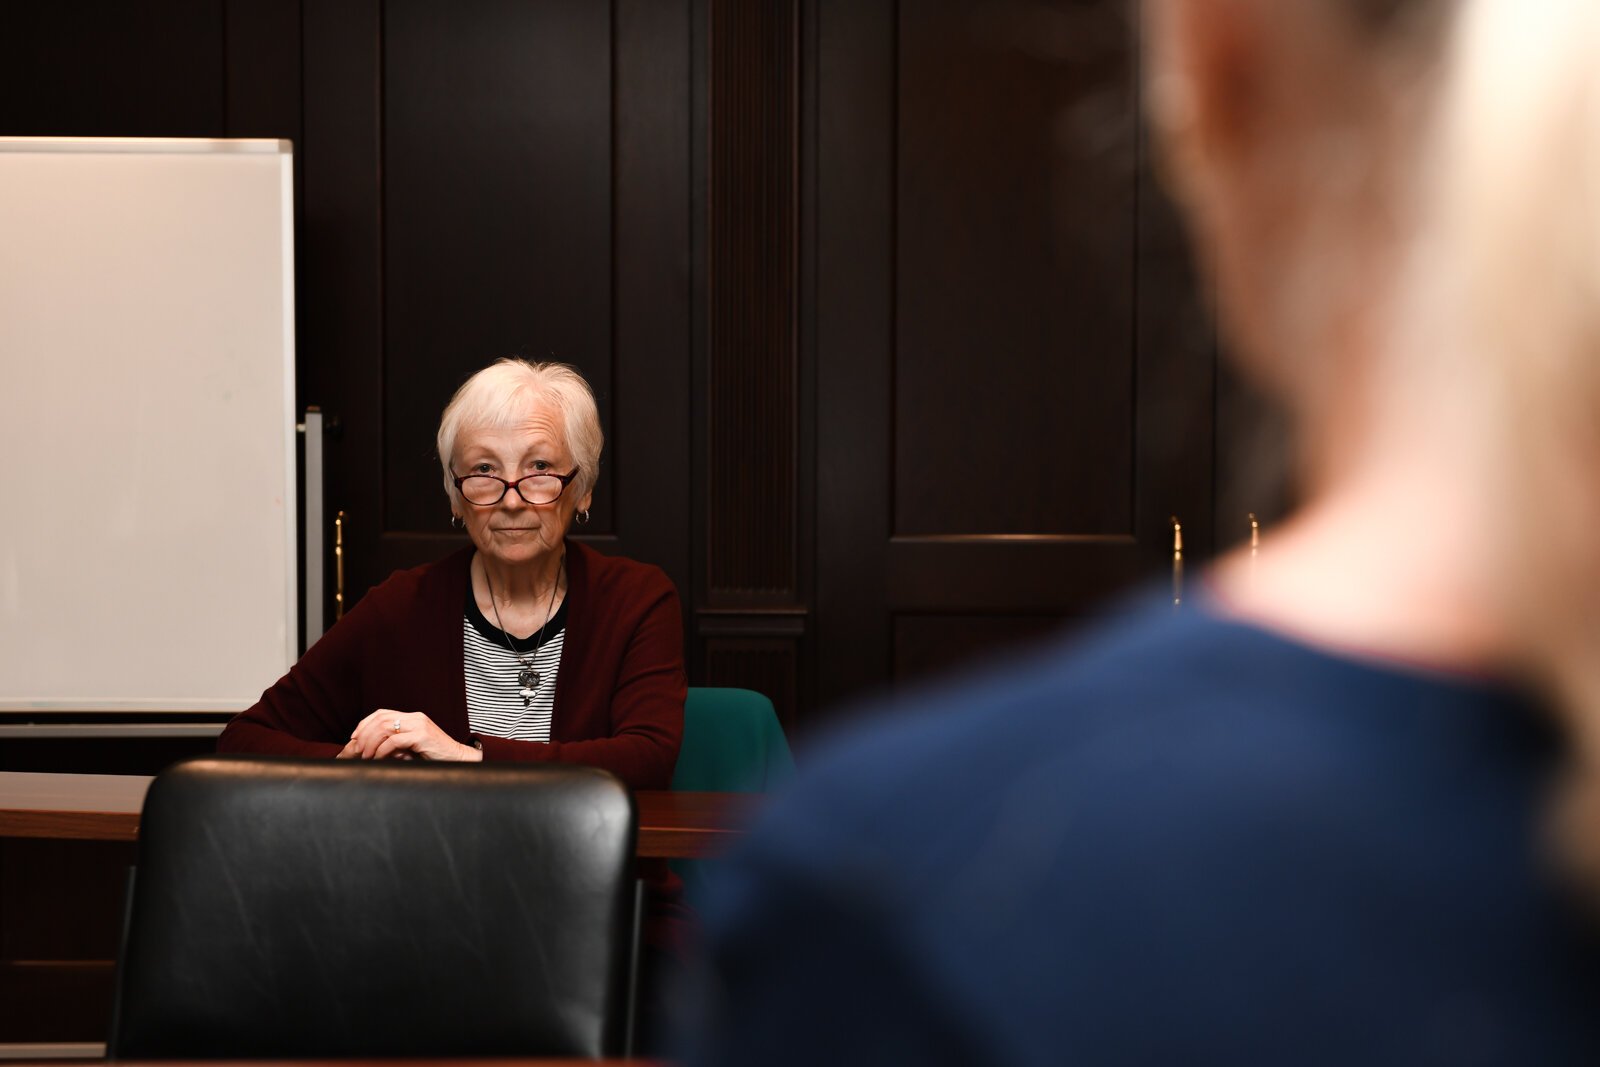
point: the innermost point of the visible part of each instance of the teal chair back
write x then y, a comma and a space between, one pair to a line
732, 743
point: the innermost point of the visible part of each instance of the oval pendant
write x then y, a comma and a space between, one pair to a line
528, 678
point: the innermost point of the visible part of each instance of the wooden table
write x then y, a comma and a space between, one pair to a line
105, 807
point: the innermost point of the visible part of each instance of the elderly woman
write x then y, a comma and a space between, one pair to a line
1299, 821
522, 646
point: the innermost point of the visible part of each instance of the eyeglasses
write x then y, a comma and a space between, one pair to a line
485, 490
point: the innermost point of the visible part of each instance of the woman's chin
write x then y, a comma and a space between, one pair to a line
511, 550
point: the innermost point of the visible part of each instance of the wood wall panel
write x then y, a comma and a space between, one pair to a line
471, 167
752, 399
852, 331
650, 437
108, 68
1014, 219
1014, 372
263, 70
929, 646
77, 931
754, 533
339, 291
497, 194
1254, 447
769, 665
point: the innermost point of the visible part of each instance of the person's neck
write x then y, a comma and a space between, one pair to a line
1392, 559
532, 584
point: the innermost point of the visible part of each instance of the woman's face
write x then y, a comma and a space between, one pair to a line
514, 532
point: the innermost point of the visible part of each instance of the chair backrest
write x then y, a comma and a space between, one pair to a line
294, 908
732, 743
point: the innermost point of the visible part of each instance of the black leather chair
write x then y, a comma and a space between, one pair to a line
296, 909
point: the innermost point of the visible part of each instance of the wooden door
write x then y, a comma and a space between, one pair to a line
1013, 371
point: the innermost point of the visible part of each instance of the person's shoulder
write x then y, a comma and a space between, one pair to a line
1165, 798
1140, 665
1172, 719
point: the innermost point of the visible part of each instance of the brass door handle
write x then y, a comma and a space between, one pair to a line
338, 566
1177, 563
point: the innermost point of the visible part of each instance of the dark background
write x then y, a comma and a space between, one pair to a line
897, 344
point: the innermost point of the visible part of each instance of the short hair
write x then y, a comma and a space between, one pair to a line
500, 393
1520, 179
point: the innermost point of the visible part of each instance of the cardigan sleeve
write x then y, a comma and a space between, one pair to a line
638, 709
311, 710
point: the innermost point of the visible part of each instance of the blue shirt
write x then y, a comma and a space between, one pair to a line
1183, 840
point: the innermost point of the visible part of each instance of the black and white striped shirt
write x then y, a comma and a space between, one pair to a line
494, 700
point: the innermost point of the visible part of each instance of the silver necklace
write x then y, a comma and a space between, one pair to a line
527, 677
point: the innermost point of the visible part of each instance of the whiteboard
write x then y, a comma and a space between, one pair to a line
147, 430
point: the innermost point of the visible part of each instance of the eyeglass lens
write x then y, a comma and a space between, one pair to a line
484, 489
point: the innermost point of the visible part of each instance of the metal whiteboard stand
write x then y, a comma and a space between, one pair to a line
312, 429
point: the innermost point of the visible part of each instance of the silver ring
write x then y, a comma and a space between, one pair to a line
395, 725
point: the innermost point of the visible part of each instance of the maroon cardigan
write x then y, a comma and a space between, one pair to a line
619, 693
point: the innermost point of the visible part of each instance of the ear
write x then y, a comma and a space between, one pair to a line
1205, 63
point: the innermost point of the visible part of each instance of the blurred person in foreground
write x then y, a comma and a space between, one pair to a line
1300, 821
1524, 208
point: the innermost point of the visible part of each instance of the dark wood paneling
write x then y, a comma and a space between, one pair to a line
1001, 574
512, 179
263, 75
1014, 221
853, 332
928, 646
769, 665
61, 1001
1009, 345
1253, 450
340, 287
753, 527
108, 68
497, 195
1175, 338
56, 969
650, 442
752, 396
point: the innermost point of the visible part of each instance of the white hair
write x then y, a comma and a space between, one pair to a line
500, 394
1522, 194
1521, 200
